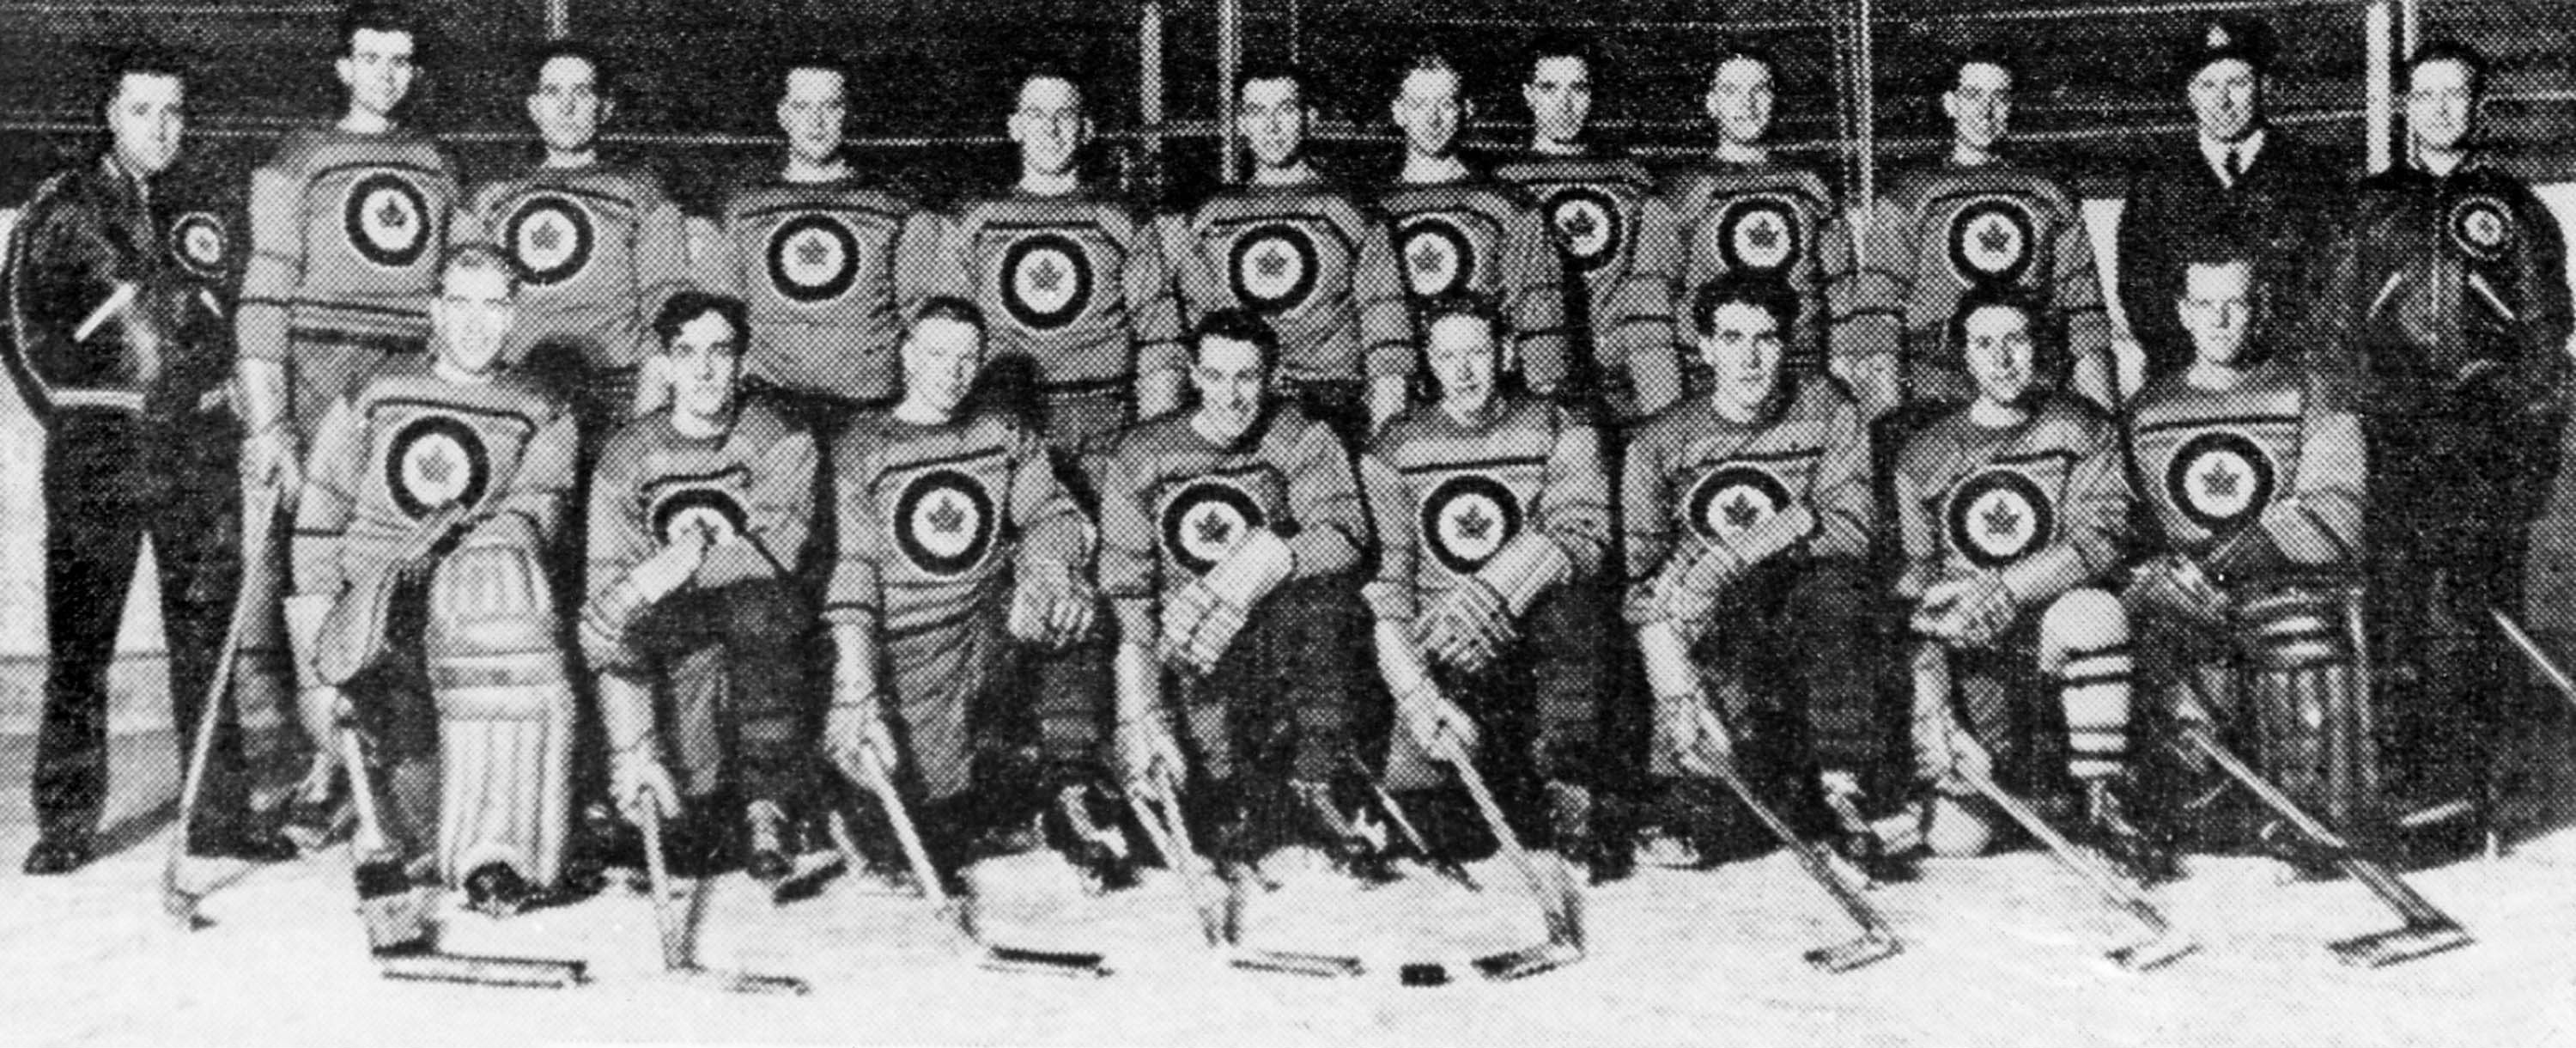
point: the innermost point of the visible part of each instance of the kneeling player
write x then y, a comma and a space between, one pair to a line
698, 521
1748, 523
447, 473
1489, 505
2010, 508
1229, 534
954, 539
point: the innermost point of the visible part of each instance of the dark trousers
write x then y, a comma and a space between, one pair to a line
110, 479
1794, 659
735, 684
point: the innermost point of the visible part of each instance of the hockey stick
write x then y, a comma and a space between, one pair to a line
869, 773
177, 901
678, 961
2531, 650
2162, 945
1877, 942
1559, 902
1156, 803
1404, 825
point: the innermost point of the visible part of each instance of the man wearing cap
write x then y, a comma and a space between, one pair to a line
2256, 187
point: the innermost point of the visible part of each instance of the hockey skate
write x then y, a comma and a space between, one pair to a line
2108, 831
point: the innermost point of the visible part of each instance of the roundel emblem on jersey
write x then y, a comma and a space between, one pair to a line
1997, 516
944, 522
2219, 478
1206, 520
197, 240
813, 258
1731, 499
709, 510
1760, 235
436, 461
1990, 242
2482, 227
1438, 258
551, 237
1466, 519
1046, 281
1273, 268
387, 220
1588, 227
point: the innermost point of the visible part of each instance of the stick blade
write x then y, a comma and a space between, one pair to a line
1319, 965
1072, 964
1857, 953
471, 970
742, 982
2152, 953
1527, 961
2398, 945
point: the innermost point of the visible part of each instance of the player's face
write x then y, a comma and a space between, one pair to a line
1049, 125
146, 116
2218, 310
1273, 121
472, 316
705, 359
566, 105
377, 70
1462, 355
940, 360
1559, 94
2224, 97
1232, 384
2440, 105
2002, 358
1980, 105
811, 112
1742, 350
1740, 100
1429, 111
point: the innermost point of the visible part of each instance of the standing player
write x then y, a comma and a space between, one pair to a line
1458, 232
697, 528
1746, 212
346, 226
2010, 508
811, 249
1489, 505
1299, 252
115, 339
435, 495
1976, 220
597, 243
955, 541
1599, 204
2245, 181
1228, 537
1749, 522
2444, 320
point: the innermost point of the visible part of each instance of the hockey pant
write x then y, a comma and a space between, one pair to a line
1537, 706
1790, 661
2078, 650
1278, 704
734, 694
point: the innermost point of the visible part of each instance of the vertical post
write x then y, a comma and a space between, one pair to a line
1229, 65
2379, 114
1149, 83
1867, 46
558, 19
2410, 26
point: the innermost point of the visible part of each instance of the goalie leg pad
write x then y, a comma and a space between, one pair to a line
2084, 645
506, 715
2315, 729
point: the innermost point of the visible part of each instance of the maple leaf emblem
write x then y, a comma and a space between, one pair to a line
1762, 234
1475, 523
2220, 481
1740, 511
391, 215
546, 237
1214, 530
1996, 238
2002, 520
1047, 276
1426, 258
1577, 223
945, 517
1271, 262
813, 252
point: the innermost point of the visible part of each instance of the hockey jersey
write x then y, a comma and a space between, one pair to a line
2263, 455
1938, 231
1316, 265
1447, 496
1599, 208
2046, 503
815, 262
1485, 238
1695, 478
1778, 222
751, 489
406, 443
346, 232
598, 249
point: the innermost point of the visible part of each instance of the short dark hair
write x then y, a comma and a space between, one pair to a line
2447, 50
1563, 45
1765, 293
478, 256
1237, 325
947, 307
376, 16
539, 56
137, 60
1277, 70
1425, 61
1047, 70
683, 307
1739, 50
1451, 304
1985, 53
824, 61
2046, 346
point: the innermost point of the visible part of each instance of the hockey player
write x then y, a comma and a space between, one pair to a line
598, 244
433, 496
2254, 493
1297, 250
1973, 220
812, 249
1229, 533
1070, 278
955, 542
1458, 231
115, 296
2011, 508
1490, 504
2444, 321
698, 521
346, 226
1599, 204
1746, 211
1749, 518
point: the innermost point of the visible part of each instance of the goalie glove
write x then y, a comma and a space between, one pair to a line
1201, 621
